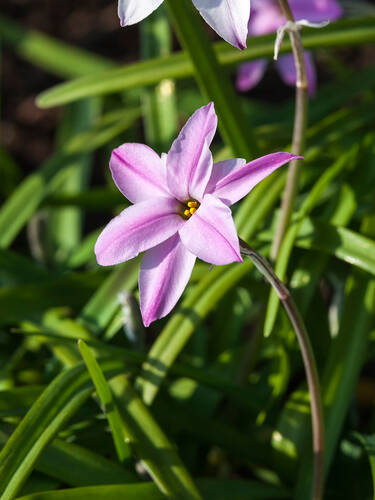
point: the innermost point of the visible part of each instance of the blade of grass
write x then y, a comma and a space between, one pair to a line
159, 103
64, 225
134, 359
24, 201
343, 367
206, 294
213, 81
78, 466
103, 305
142, 433
31, 300
59, 402
213, 489
178, 65
108, 403
368, 443
49, 53
345, 244
345, 360
290, 238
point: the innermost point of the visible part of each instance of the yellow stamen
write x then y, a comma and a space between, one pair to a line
187, 213
192, 204
192, 210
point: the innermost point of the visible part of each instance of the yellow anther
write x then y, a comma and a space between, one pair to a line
192, 210
192, 204
187, 213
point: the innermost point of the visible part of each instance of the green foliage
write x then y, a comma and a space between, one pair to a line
208, 407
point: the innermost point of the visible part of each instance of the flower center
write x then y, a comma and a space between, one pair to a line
189, 208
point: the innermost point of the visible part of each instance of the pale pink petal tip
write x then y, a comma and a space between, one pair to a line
133, 11
234, 179
189, 161
229, 18
164, 274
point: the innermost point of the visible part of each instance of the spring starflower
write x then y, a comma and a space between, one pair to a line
180, 212
266, 17
228, 18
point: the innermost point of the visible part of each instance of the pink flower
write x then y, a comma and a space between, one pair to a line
266, 17
180, 212
228, 18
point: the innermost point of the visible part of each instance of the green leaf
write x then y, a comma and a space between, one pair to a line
219, 489
368, 443
345, 244
213, 81
24, 201
56, 171
101, 133
104, 304
134, 359
49, 53
159, 103
29, 301
64, 226
10, 173
78, 466
16, 269
342, 369
141, 432
177, 65
289, 240
108, 403
205, 295
56, 405
17, 400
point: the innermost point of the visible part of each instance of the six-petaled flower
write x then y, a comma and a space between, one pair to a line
180, 212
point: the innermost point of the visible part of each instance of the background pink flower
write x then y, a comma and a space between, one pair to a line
266, 17
180, 212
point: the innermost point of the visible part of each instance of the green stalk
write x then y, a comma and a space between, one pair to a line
212, 79
178, 65
309, 362
159, 103
299, 133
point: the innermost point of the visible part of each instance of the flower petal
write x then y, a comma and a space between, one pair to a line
316, 11
133, 11
210, 233
232, 180
249, 74
189, 161
165, 271
287, 69
266, 17
137, 228
138, 172
228, 18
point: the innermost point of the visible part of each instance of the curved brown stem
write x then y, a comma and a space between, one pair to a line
309, 362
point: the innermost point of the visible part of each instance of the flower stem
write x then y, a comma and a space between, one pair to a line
299, 132
296, 320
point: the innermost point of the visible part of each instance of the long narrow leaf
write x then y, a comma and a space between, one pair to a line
213, 81
61, 399
107, 401
178, 65
212, 490
141, 432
